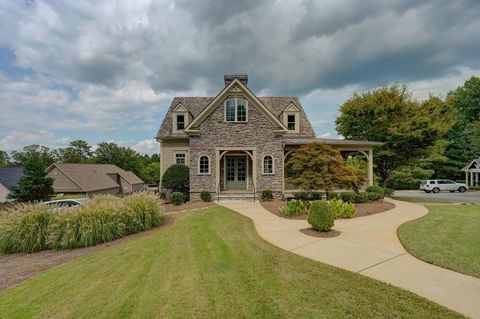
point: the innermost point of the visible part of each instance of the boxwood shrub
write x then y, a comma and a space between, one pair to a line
375, 189
373, 197
206, 196
267, 194
177, 178
308, 195
177, 198
321, 217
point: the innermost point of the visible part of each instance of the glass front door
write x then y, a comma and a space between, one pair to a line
236, 172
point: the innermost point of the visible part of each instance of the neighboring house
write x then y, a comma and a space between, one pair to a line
93, 179
9, 177
472, 173
238, 142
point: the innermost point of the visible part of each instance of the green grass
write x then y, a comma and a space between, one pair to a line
448, 236
209, 264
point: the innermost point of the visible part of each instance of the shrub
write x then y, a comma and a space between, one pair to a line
373, 197
360, 198
348, 197
177, 178
333, 196
162, 195
321, 217
341, 209
177, 198
375, 189
294, 208
267, 194
206, 196
27, 229
388, 192
141, 212
306, 196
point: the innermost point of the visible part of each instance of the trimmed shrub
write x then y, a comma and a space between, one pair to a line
349, 197
388, 192
341, 209
294, 208
361, 198
177, 178
206, 196
333, 196
267, 194
27, 229
321, 217
308, 196
375, 189
177, 198
373, 197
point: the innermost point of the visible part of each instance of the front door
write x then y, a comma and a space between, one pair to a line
236, 172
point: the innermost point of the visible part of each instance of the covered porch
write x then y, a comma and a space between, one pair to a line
472, 173
346, 148
235, 169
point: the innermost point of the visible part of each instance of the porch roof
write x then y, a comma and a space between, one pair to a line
328, 141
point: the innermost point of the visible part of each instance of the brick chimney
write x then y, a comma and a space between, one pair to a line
242, 77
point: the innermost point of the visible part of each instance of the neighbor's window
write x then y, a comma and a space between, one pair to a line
268, 165
180, 158
204, 165
291, 122
180, 122
236, 110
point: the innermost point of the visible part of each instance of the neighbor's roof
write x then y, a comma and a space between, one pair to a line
9, 176
195, 105
309, 140
466, 168
93, 177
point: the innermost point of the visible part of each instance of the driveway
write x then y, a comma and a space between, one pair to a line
442, 197
369, 245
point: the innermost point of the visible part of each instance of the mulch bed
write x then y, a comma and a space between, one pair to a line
170, 208
15, 268
364, 209
315, 233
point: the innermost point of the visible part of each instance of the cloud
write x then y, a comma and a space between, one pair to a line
15, 140
149, 146
326, 135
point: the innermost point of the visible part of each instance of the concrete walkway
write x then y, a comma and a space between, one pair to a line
369, 245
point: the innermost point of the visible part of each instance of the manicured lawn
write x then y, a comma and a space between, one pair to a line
448, 236
209, 264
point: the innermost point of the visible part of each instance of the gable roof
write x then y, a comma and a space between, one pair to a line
466, 168
94, 177
194, 105
9, 176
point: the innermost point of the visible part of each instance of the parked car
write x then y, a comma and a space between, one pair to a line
437, 185
71, 202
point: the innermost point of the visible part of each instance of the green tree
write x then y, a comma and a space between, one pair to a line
34, 185
151, 173
4, 158
77, 152
390, 115
124, 157
318, 166
39, 153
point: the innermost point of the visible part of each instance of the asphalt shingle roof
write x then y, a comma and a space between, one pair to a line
9, 176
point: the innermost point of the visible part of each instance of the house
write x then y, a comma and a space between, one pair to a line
92, 179
472, 173
237, 142
9, 177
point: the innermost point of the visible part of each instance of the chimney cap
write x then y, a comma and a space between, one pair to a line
242, 77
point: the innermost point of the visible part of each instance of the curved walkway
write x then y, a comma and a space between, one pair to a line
369, 245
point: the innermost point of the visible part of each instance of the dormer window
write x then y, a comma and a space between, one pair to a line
291, 122
180, 122
236, 110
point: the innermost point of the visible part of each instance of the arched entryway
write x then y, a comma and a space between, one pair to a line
236, 170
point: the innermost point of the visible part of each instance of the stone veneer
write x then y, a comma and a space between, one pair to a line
257, 133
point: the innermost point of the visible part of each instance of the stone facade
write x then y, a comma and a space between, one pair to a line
256, 135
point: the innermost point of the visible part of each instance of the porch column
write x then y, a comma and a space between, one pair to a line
477, 179
217, 171
370, 167
471, 178
254, 170
466, 178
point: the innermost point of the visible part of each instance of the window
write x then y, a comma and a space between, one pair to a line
180, 122
180, 158
268, 165
291, 122
204, 165
236, 110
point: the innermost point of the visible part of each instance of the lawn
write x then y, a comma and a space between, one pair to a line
448, 236
209, 264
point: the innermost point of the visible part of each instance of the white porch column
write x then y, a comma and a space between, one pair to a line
471, 178
370, 167
217, 171
477, 179
466, 178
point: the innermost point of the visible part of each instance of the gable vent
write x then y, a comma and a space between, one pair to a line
242, 77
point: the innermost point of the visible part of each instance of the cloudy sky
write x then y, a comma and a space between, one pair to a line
107, 71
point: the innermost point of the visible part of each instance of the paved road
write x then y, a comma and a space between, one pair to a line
369, 245
442, 197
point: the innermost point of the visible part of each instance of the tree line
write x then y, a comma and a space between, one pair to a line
144, 166
422, 139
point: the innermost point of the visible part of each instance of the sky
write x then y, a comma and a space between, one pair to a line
108, 70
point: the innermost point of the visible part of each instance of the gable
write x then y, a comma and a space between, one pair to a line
235, 88
180, 109
291, 108
475, 164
